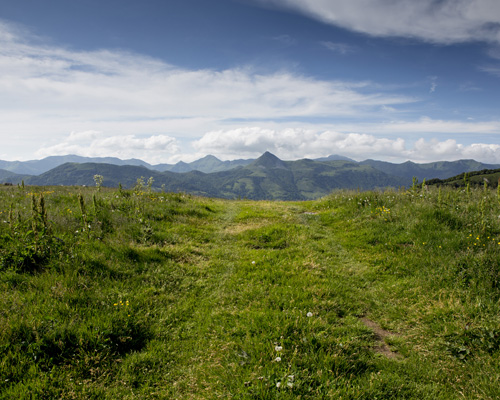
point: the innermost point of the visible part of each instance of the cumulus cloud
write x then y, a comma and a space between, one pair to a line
153, 149
437, 21
297, 143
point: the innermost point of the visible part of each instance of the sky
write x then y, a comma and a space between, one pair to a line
171, 80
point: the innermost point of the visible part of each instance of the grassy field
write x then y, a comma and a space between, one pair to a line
113, 294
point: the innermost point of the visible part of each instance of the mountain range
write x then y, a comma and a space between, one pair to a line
267, 177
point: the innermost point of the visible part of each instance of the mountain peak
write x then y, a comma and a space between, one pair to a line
209, 157
269, 160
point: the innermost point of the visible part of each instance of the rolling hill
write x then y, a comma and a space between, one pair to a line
268, 177
476, 178
439, 169
206, 164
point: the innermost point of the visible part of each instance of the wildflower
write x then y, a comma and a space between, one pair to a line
309, 314
277, 359
253, 262
278, 348
289, 384
278, 385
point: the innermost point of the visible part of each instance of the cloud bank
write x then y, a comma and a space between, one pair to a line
94, 144
436, 21
290, 144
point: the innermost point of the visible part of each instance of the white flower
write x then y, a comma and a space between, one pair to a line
289, 384
278, 348
277, 359
278, 385
309, 314
253, 262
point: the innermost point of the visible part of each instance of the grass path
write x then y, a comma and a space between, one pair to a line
283, 288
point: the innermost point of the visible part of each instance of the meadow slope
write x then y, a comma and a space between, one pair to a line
133, 294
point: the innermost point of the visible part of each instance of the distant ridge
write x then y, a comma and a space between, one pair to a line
36, 167
334, 157
266, 177
439, 169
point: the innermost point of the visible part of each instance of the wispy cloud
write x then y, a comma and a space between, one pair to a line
493, 70
341, 48
433, 87
443, 21
469, 87
285, 39
120, 85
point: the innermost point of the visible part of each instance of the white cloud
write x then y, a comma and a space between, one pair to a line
292, 144
153, 149
116, 85
438, 21
426, 125
451, 150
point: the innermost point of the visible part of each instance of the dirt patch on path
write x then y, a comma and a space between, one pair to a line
380, 334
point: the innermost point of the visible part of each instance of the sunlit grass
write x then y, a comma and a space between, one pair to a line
137, 294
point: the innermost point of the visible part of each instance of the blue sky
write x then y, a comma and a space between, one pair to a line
176, 80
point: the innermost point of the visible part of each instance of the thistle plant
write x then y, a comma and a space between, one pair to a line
81, 203
414, 184
483, 214
467, 183
98, 179
39, 214
11, 216
150, 184
139, 185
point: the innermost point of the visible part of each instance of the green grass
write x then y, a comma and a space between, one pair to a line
138, 295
